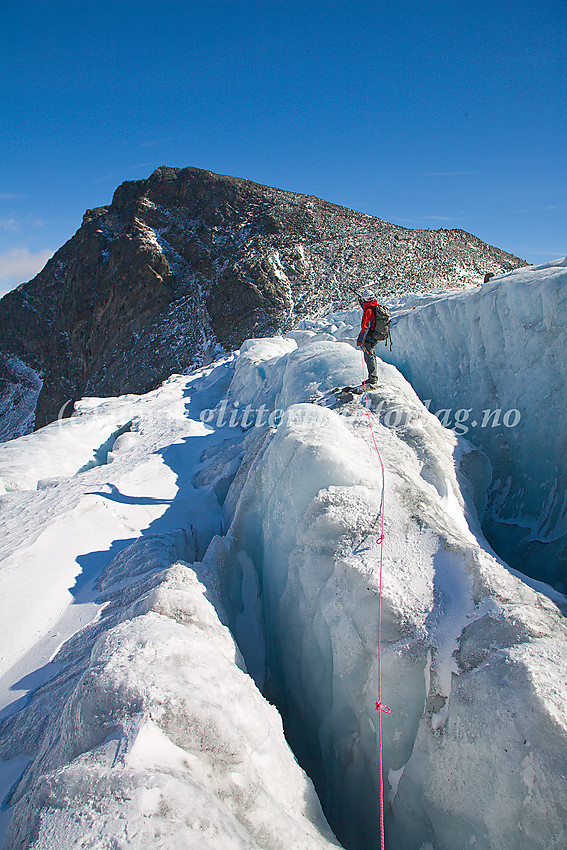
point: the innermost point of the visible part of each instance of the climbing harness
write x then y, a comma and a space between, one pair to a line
380, 707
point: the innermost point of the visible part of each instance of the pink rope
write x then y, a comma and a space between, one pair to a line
380, 707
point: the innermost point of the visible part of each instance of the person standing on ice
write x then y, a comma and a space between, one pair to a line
366, 338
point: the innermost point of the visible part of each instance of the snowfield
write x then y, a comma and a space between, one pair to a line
142, 728
182, 571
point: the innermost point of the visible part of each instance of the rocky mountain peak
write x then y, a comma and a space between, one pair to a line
188, 261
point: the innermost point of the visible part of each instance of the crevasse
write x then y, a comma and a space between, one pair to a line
460, 633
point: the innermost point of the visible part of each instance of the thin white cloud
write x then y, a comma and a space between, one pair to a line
9, 224
16, 224
152, 142
449, 173
20, 264
438, 218
11, 196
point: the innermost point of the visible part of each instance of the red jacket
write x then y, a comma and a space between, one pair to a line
368, 322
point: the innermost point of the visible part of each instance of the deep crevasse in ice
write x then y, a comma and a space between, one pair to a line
473, 665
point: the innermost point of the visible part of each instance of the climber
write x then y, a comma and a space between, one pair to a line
374, 327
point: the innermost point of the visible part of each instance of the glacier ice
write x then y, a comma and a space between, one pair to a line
503, 347
21, 386
462, 636
137, 723
160, 738
221, 573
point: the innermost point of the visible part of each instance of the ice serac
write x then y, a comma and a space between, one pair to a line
188, 261
127, 717
499, 353
158, 737
473, 660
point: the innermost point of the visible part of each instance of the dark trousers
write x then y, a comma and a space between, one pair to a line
370, 360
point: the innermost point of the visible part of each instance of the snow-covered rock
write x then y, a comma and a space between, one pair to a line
21, 386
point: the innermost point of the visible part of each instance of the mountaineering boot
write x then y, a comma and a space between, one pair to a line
347, 393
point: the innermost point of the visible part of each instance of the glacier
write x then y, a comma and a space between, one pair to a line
125, 700
456, 623
503, 347
187, 575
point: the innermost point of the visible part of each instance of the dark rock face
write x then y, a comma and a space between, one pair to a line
188, 261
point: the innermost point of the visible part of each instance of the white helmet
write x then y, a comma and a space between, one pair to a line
369, 295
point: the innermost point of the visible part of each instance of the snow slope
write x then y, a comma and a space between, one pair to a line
123, 693
155, 548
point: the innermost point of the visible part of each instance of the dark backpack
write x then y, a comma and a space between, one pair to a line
381, 330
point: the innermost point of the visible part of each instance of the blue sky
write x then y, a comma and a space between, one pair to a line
428, 114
